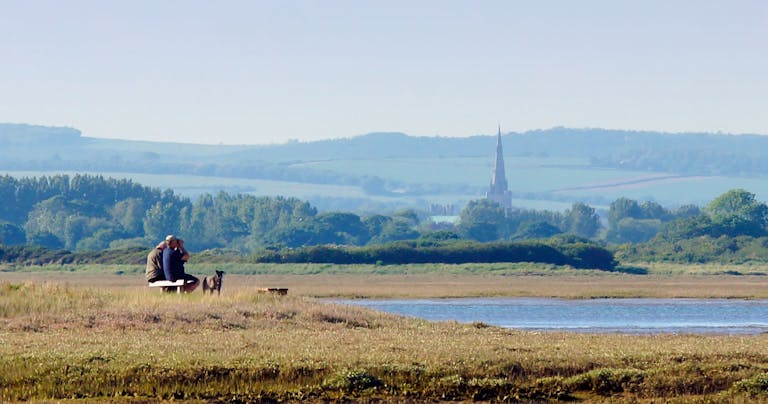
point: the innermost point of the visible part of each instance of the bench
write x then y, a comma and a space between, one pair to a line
177, 284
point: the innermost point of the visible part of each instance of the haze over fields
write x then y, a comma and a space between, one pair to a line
548, 169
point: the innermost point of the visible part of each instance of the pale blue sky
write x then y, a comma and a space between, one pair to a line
258, 72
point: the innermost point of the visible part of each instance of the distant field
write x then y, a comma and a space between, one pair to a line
563, 177
192, 185
565, 180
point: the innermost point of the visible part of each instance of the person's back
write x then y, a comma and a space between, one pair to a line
154, 270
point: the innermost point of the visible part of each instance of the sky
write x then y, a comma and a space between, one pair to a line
266, 72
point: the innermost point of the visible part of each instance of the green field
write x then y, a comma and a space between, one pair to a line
556, 183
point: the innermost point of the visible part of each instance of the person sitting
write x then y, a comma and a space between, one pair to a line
155, 264
174, 257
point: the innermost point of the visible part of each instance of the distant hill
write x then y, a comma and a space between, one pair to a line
688, 153
411, 165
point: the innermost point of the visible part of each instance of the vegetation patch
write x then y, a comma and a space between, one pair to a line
122, 344
754, 386
606, 382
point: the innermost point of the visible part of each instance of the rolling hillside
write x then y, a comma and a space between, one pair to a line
546, 169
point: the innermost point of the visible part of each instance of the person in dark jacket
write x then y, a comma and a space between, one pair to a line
174, 257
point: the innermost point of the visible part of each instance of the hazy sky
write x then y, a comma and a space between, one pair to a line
257, 72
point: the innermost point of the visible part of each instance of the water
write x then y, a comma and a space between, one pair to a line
700, 316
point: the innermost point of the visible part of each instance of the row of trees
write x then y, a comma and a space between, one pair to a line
735, 213
485, 220
93, 213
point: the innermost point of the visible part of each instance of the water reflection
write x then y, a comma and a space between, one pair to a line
720, 316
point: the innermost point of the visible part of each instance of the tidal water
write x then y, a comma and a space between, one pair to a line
638, 316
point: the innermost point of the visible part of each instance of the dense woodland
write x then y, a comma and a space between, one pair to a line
92, 213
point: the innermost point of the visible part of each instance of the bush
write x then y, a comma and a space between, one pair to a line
352, 381
755, 385
575, 252
606, 381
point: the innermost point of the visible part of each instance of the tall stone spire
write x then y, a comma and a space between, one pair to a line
499, 189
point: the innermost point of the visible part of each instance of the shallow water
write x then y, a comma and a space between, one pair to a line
637, 316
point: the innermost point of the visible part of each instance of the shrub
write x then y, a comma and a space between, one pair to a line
606, 381
755, 385
352, 381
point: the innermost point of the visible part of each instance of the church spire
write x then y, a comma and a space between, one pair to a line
499, 179
499, 189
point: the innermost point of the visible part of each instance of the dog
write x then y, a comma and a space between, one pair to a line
213, 282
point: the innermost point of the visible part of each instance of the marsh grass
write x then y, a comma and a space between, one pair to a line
63, 341
434, 280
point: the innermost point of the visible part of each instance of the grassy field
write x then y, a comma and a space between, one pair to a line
101, 334
435, 280
563, 179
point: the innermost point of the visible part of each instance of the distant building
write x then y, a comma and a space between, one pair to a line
499, 189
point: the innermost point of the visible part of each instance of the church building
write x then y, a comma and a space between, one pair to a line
499, 189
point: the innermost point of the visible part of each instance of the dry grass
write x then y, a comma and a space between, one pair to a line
569, 284
63, 339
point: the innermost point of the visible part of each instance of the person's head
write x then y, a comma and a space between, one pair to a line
171, 241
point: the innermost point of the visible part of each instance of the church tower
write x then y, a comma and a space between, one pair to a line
499, 189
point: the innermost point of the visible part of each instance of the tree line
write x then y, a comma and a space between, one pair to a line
93, 213
86, 212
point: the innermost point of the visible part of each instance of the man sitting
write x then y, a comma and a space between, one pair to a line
174, 257
155, 264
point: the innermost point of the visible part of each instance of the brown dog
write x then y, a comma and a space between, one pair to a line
213, 282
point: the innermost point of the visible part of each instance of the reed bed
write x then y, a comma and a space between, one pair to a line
67, 341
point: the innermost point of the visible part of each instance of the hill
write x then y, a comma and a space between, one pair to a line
558, 165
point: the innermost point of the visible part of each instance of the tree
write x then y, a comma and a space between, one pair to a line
301, 234
199, 226
398, 228
408, 215
653, 210
686, 211
129, 213
623, 208
376, 223
582, 220
687, 228
739, 203
10, 234
348, 226
738, 212
629, 230
45, 239
536, 230
483, 220
160, 220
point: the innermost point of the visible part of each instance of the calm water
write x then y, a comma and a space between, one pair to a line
720, 316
